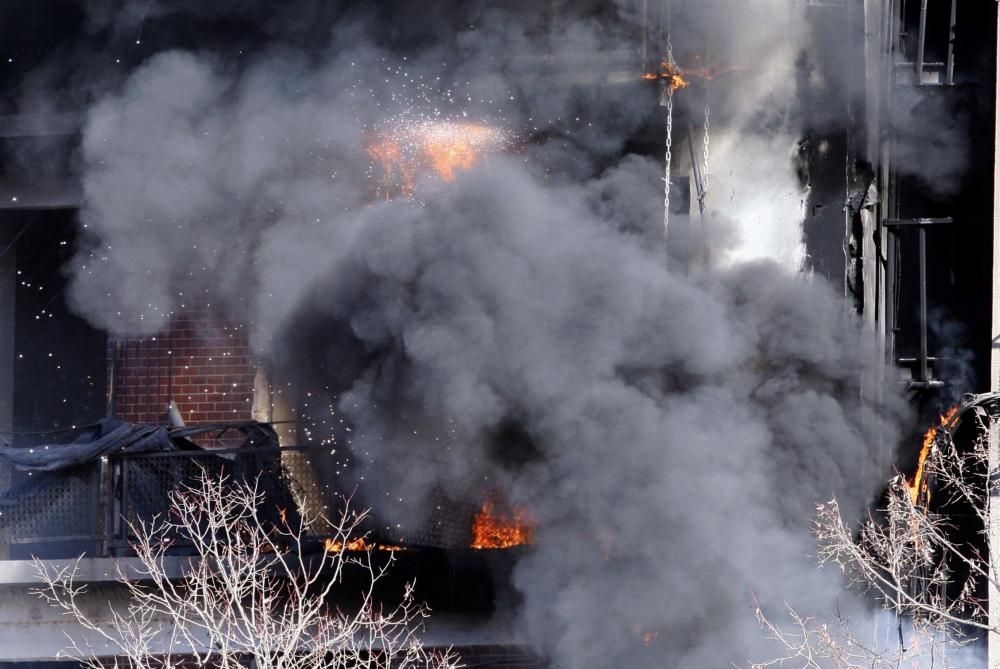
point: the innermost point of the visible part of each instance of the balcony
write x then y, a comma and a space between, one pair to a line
64, 500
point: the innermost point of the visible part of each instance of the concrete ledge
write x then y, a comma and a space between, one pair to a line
91, 570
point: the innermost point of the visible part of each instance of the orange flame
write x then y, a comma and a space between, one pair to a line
453, 146
491, 529
359, 544
333, 546
646, 635
679, 77
389, 155
916, 483
405, 149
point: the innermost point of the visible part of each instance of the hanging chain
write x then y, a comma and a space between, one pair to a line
670, 133
669, 157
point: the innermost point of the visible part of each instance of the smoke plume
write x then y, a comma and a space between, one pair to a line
675, 432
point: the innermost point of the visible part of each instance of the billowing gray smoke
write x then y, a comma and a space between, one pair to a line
679, 429
684, 428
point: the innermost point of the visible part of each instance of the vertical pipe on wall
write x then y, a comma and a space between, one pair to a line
112, 380
921, 37
890, 293
922, 236
950, 72
147, 418
645, 35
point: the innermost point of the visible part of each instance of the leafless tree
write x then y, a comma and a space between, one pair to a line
809, 643
907, 554
251, 595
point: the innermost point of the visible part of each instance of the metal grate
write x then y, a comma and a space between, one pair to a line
97, 502
144, 482
443, 522
59, 507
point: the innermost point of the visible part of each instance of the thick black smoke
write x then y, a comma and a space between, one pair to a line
674, 432
684, 428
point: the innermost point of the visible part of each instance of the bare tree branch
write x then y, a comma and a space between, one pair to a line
909, 557
251, 592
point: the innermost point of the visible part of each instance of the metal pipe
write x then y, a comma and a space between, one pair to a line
159, 366
170, 366
149, 395
919, 222
109, 410
925, 385
103, 527
890, 42
645, 35
696, 171
924, 373
892, 32
950, 72
123, 509
699, 186
921, 37
124, 390
890, 291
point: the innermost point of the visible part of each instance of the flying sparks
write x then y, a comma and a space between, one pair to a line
404, 149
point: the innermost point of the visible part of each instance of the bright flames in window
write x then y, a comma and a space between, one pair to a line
494, 528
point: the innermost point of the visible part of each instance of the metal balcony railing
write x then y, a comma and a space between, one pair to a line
88, 509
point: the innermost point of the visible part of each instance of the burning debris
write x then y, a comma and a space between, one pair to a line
670, 73
678, 77
498, 528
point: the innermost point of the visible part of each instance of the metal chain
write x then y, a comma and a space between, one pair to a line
669, 156
666, 177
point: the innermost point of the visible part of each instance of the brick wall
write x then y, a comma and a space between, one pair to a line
203, 364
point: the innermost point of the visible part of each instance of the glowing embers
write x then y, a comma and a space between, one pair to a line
356, 545
678, 77
671, 73
917, 483
404, 149
648, 636
493, 527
